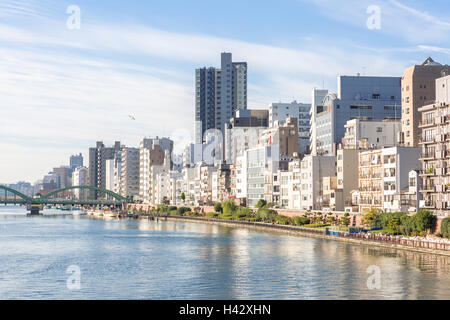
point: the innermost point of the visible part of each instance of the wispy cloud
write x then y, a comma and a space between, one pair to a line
62, 90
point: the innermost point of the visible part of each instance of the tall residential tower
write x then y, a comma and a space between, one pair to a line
219, 93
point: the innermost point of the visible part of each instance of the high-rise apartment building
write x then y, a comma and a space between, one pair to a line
97, 165
219, 93
418, 89
358, 97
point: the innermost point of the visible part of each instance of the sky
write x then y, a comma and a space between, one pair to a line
62, 88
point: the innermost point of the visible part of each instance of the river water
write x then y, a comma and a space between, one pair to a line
59, 256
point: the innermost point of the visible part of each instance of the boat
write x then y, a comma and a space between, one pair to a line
79, 213
110, 214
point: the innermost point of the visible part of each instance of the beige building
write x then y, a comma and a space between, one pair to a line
284, 136
435, 154
418, 89
370, 180
129, 173
347, 174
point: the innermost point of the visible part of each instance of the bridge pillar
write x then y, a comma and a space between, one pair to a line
34, 209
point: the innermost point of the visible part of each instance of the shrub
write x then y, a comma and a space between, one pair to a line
243, 212
299, 221
316, 225
212, 215
182, 210
173, 212
267, 214
283, 219
445, 228
218, 207
163, 208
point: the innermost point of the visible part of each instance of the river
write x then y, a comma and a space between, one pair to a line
58, 256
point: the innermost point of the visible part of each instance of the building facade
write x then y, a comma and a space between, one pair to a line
418, 89
358, 97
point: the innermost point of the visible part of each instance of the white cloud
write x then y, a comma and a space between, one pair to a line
59, 92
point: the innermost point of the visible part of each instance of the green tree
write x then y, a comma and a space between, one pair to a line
424, 220
183, 196
445, 228
218, 207
346, 219
261, 203
370, 219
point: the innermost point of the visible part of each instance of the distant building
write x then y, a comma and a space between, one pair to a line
76, 161
129, 175
279, 112
318, 95
66, 176
313, 170
152, 152
418, 89
243, 132
79, 178
219, 93
363, 134
358, 97
97, 165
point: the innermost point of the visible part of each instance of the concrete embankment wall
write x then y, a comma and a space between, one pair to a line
410, 245
355, 217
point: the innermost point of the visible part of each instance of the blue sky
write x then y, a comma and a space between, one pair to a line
61, 90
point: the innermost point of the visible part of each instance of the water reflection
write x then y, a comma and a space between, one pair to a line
143, 259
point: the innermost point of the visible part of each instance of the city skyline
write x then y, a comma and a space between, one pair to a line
100, 74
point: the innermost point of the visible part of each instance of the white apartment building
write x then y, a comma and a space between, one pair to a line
79, 178
109, 175
317, 97
151, 152
239, 179
240, 139
384, 177
371, 133
313, 169
168, 188
279, 112
294, 184
155, 197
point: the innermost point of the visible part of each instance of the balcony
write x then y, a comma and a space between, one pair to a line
431, 188
427, 123
426, 156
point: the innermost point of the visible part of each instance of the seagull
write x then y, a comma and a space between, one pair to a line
131, 117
